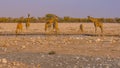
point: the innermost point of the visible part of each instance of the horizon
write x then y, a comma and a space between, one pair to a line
61, 8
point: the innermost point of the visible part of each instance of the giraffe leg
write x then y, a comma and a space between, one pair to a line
101, 29
27, 25
95, 29
56, 26
16, 31
81, 28
46, 26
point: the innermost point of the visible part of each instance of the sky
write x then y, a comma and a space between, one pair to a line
72, 8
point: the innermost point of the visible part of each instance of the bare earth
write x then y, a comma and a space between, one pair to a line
72, 48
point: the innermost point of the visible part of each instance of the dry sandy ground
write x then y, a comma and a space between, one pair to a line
82, 44
109, 28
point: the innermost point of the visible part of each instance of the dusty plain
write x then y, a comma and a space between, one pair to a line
70, 48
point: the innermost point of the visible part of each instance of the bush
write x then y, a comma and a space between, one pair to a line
51, 52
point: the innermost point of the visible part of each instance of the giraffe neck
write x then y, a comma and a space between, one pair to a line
28, 19
93, 20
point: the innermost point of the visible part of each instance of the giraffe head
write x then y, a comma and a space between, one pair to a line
28, 15
89, 17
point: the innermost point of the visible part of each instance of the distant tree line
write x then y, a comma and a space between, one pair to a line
66, 19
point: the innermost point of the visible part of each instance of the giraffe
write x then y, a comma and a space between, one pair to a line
81, 28
28, 22
19, 28
96, 23
52, 23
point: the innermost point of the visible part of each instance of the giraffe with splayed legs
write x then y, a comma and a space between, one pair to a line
96, 23
19, 28
52, 23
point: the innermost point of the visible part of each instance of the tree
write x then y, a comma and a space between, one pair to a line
66, 19
49, 16
117, 20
